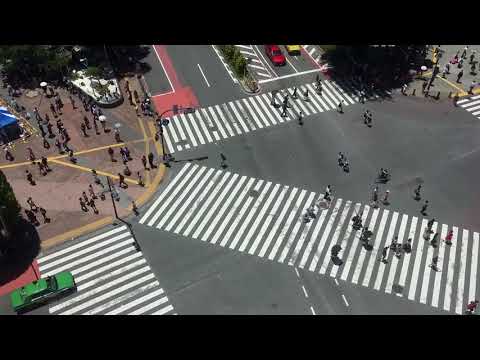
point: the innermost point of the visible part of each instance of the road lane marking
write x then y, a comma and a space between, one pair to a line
286, 58
345, 300
313, 311
289, 75
266, 62
451, 268
200, 68
305, 291
165, 71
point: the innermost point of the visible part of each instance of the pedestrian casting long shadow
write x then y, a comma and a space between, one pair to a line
22, 248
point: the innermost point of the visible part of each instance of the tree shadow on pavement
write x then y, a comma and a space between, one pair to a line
22, 248
374, 70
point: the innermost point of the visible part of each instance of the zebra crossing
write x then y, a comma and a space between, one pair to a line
112, 277
472, 105
255, 64
263, 219
220, 122
313, 52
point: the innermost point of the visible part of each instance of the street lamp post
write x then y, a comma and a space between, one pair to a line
135, 242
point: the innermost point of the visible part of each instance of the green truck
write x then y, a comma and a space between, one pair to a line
42, 291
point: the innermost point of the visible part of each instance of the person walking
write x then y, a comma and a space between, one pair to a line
52, 109
41, 169
92, 192
294, 94
448, 238
84, 129
58, 144
459, 76
86, 122
430, 225
44, 215
144, 162
407, 247
340, 107
117, 136
83, 205
434, 241
31, 155
110, 153
30, 177
46, 144
385, 197
417, 192
223, 161
32, 204
305, 96
121, 181
91, 203
423, 211
300, 118
150, 160
140, 179
126, 170
44, 161
384, 254
284, 110
95, 125
122, 154
135, 209
464, 53
127, 153
472, 86
434, 264
8, 155
472, 56
72, 159
96, 179
85, 197
49, 130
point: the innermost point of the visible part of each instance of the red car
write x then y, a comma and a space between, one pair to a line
275, 55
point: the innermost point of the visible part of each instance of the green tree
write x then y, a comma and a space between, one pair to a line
22, 63
11, 212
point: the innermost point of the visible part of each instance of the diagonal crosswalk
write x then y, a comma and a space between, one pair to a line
265, 219
112, 277
241, 116
472, 105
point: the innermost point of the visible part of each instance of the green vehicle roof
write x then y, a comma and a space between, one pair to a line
63, 280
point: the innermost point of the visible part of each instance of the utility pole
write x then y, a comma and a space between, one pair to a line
135, 242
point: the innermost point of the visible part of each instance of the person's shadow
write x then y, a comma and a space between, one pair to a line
19, 251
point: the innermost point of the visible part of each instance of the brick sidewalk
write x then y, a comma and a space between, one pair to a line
59, 190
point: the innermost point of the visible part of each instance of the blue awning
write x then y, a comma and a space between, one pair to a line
6, 118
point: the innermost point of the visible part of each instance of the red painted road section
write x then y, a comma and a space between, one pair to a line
182, 95
27, 277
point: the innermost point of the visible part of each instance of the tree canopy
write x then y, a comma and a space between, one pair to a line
24, 63
11, 212
386, 66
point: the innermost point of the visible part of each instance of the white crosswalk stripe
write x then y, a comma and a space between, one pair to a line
265, 219
223, 121
111, 276
256, 66
471, 104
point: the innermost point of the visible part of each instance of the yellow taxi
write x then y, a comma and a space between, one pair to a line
293, 49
